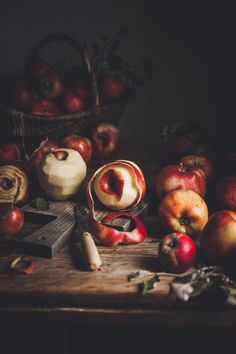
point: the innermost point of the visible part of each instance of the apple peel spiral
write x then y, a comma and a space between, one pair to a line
108, 235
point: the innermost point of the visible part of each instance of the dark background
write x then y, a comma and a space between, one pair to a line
191, 45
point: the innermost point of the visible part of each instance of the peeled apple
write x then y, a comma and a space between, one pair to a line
119, 185
61, 173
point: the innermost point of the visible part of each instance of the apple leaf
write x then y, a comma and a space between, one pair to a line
41, 203
149, 284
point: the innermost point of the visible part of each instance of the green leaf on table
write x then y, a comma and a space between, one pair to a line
149, 284
41, 203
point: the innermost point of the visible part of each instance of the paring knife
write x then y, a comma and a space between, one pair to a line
89, 250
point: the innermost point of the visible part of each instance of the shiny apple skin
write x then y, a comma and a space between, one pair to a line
201, 162
51, 85
174, 177
218, 239
105, 139
226, 193
10, 152
182, 211
177, 252
13, 223
45, 107
111, 88
81, 144
73, 103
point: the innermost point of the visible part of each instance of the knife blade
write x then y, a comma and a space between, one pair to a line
91, 256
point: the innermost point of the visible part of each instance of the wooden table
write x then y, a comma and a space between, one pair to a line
61, 294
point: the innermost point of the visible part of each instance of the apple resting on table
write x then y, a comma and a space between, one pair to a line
105, 139
61, 173
182, 211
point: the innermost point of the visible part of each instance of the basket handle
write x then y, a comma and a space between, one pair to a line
62, 37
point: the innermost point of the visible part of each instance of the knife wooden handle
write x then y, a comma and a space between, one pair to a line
90, 252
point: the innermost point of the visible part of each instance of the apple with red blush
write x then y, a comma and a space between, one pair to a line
226, 192
10, 152
199, 162
105, 139
218, 239
177, 252
183, 211
21, 96
38, 154
73, 103
51, 85
11, 221
79, 143
111, 88
174, 177
45, 107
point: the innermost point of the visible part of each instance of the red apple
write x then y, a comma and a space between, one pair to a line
199, 162
175, 177
226, 193
218, 239
177, 252
79, 143
73, 103
111, 88
119, 185
21, 96
45, 107
10, 152
51, 85
182, 211
105, 139
11, 222
45, 147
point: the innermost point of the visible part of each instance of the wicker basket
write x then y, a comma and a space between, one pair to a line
28, 126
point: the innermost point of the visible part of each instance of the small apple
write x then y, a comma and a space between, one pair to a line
51, 85
119, 185
38, 154
10, 152
73, 103
218, 239
182, 211
105, 139
11, 222
45, 107
21, 96
61, 173
199, 162
79, 143
226, 193
175, 177
177, 252
111, 88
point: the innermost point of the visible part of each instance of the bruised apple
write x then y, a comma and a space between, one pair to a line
174, 177
119, 185
177, 252
61, 173
79, 143
182, 211
218, 239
